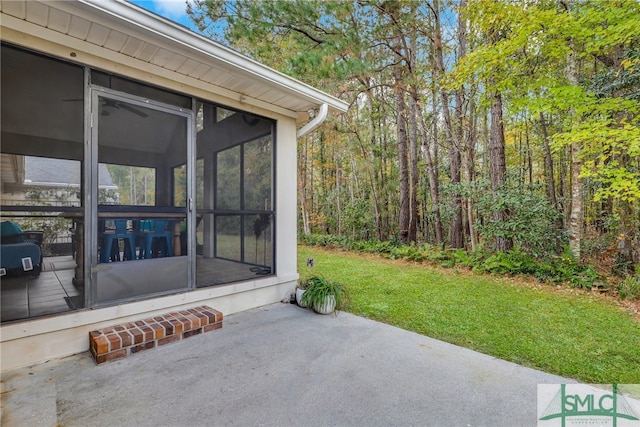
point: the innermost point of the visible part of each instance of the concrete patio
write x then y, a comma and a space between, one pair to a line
280, 365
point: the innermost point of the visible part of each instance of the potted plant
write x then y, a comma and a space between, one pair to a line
323, 295
300, 288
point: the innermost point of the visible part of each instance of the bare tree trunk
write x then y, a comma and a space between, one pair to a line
352, 179
470, 172
497, 160
563, 187
386, 204
498, 166
305, 219
303, 189
413, 152
373, 135
576, 214
456, 232
413, 168
376, 205
403, 164
432, 168
628, 241
529, 162
436, 168
551, 183
575, 220
548, 161
456, 235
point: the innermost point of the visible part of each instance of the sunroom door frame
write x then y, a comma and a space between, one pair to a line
91, 178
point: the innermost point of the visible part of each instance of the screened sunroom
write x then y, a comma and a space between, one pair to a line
143, 168
138, 236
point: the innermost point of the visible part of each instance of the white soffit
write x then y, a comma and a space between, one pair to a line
130, 30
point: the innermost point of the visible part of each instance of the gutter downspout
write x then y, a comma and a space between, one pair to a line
322, 115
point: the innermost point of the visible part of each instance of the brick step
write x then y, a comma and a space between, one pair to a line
116, 342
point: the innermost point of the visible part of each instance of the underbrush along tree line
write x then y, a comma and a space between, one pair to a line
558, 270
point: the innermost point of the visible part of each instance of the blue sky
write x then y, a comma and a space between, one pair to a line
171, 9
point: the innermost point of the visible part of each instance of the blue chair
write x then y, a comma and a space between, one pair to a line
155, 239
110, 249
20, 251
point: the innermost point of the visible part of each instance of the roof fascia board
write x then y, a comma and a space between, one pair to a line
192, 42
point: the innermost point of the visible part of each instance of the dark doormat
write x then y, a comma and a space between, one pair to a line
75, 303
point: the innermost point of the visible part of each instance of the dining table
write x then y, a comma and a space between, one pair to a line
79, 238
105, 212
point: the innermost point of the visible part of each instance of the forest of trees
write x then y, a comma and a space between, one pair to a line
473, 123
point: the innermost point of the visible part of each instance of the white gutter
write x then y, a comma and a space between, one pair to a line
322, 115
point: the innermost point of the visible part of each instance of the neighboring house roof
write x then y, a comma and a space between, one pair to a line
49, 172
131, 35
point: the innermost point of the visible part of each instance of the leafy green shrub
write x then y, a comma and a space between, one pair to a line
325, 240
355, 218
584, 277
452, 257
547, 270
374, 246
408, 252
629, 288
460, 256
529, 218
510, 262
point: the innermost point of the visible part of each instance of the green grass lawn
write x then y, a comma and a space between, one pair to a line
571, 334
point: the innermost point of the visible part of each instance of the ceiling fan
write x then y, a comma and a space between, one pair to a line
113, 104
117, 105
